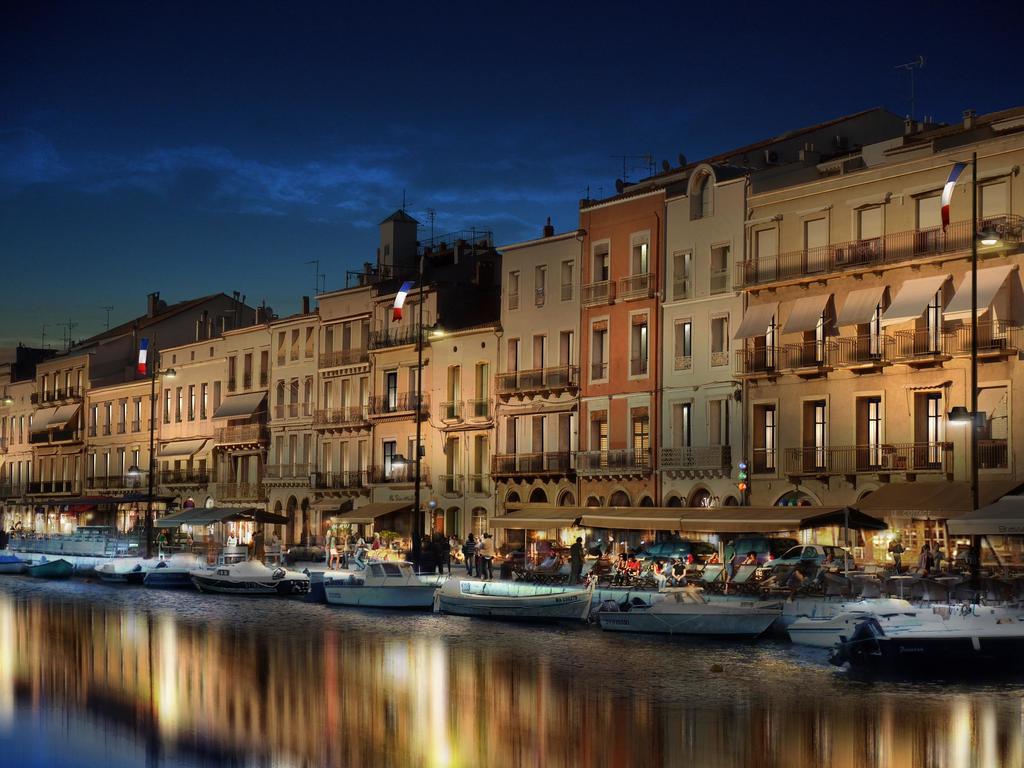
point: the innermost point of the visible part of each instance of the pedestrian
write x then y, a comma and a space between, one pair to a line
924, 560
896, 551
444, 559
485, 558
939, 557
469, 553
576, 561
258, 549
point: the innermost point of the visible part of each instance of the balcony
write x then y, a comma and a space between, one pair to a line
194, 477
882, 458
247, 381
55, 436
547, 464
3, 445
478, 485
288, 474
137, 425
450, 486
598, 371
595, 294
451, 411
339, 481
624, 461
11, 490
105, 430
264, 379
921, 346
636, 287
862, 353
232, 383
353, 417
712, 458
758, 362
995, 340
993, 454
889, 249
478, 410
638, 366
41, 488
808, 358
121, 428
92, 430
292, 411
398, 475
538, 381
344, 357
111, 482
719, 281
233, 491
243, 434
405, 402
396, 337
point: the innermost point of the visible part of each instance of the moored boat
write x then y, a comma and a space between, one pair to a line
250, 578
173, 572
687, 612
381, 585
122, 570
51, 569
12, 564
513, 600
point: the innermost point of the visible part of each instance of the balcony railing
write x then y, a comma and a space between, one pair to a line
185, 477
55, 436
755, 361
354, 415
121, 428
110, 482
52, 486
11, 490
638, 366
288, 472
478, 409
993, 454
137, 425
538, 380
513, 301
538, 297
636, 287
247, 381
243, 433
601, 292
403, 402
993, 338
233, 491
598, 371
395, 337
613, 462
683, 363
889, 249
720, 281
719, 358
862, 459
264, 378
920, 343
764, 460
807, 355
3, 445
450, 485
105, 429
292, 410
344, 357
451, 410
339, 481
92, 430
405, 473
710, 457
479, 485
520, 464
860, 351
232, 384
566, 291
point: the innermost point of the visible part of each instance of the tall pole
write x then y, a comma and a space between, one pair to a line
152, 452
417, 517
975, 540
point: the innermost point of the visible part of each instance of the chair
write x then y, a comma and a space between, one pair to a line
712, 575
867, 588
742, 578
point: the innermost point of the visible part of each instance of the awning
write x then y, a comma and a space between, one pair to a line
806, 313
62, 416
847, 517
745, 519
237, 406
332, 506
211, 515
1004, 517
912, 299
538, 518
41, 420
989, 282
632, 518
934, 500
860, 306
756, 320
369, 512
182, 448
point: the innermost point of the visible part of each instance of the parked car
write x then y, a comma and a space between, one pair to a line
765, 547
681, 548
810, 555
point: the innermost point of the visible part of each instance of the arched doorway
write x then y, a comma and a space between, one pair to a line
278, 510
795, 499
292, 531
512, 497
674, 501
538, 496
646, 501
700, 498
593, 501
566, 499
453, 522
307, 537
730, 501
619, 499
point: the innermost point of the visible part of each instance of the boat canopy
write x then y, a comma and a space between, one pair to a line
1004, 517
212, 515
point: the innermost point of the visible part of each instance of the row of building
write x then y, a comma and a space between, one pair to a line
794, 306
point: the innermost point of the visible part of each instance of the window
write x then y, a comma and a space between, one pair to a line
720, 255
869, 432
933, 426
567, 277
994, 436
764, 438
309, 343
390, 449
683, 345
513, 355
122, 422
638, 348
641, 440
454, 391
264, 367
513, 290
232, 373
700, 198
682, 275
203, 398
167, 406
993, 199
293, 352
766, 245
281, 347
719, 341
601, 272
869, 223
599, 433
391, 390
539, 429
247, 370
933, 322
682, 423
137, 420
191, 402
718, 422
929, 212
540, 351
539, 280
639, 262
599, 354
818, 432
179, 399
875, 339
566, 347
216, 396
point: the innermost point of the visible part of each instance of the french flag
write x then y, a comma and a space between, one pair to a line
400, 300
143, 351
947, 192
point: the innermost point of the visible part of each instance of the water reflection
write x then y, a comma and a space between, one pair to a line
189, 680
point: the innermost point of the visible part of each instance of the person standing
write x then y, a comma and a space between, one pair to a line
896, 551
469, 553
485, 558
576, 560
258, 549
444, 559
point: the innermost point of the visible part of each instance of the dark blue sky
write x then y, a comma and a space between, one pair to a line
191, 148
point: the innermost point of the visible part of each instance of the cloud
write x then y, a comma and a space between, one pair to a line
27, 157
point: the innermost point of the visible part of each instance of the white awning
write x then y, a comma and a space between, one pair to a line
1004, 517
182, 448
41, 419
912, 299
860, 306
806, 313
63, 415
989, 282
237, 406
756, 320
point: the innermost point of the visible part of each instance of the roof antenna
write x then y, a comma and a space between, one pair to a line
316, 275
107, 310
910, 66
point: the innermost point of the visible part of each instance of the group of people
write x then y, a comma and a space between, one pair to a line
931, 559
478, 555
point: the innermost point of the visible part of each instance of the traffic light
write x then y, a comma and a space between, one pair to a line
741, 480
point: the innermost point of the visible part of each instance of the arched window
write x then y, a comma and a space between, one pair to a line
646, 501
674, 501
619, 499
567, 499
700, 197
538, 496
700, 498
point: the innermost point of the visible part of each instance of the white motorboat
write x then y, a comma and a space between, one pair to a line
381, 584
173, 572
513, 600
250, 578
122, 570
687, 612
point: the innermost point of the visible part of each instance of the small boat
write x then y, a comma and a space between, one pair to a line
250, 578
934, 647
122, 570
174, 572
825, 631
51, 569
687, 612
12, 564
381, 585
513, 600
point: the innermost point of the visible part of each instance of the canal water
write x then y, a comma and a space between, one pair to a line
92, 675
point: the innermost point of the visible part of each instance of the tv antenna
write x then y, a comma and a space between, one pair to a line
431, 217
630, 163
910, 66
68, 327
107, 310
318, 278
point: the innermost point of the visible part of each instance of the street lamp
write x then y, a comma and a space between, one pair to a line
6, 399
154, 372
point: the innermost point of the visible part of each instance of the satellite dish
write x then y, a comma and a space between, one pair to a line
682, 159
619, 186
666, 165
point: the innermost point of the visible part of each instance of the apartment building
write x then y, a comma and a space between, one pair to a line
57, 433
538, 381
623, 247
117, 437
856, 338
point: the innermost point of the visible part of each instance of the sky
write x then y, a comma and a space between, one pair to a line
191, 148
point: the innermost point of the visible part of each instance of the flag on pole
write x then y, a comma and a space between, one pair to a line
143, 350
947, 191
400, 300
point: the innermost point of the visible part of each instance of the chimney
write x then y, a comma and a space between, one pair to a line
549, 230
969, 116
909, 126
305, 305
152, 302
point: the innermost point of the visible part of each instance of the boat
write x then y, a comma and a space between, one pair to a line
513, 600
12, 564
123, 570
384, 584
943, 646
174, 572
51, 569
686, 611
250, 577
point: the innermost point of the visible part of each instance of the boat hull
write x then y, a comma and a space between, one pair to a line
420, 597
52, 569
472, 599
714, 624
12, 566
284, 587
168, 578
